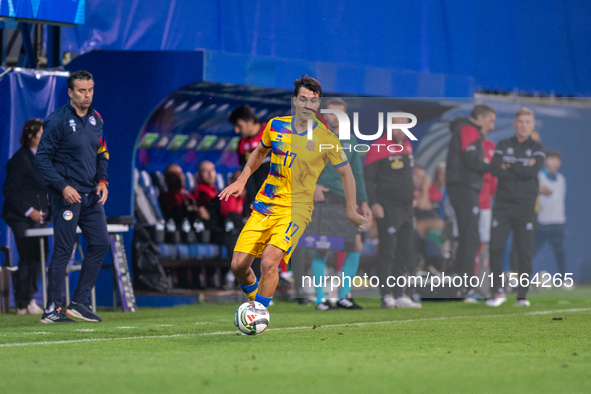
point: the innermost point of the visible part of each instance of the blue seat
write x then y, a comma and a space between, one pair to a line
158, 182
145, 181
183, 251
190, 182
192, 251
168, 250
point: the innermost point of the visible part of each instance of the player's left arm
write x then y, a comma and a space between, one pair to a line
102, 163
348, 180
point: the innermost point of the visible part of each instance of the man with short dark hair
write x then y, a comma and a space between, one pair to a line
283, 207
249, 127
466, 165
516, 164
73, 158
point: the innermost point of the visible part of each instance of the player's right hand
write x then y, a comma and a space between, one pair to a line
378, 211
232, 190
36, 216
71, 195
359, 221
319, 192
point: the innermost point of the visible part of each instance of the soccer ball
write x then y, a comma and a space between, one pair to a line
252, 318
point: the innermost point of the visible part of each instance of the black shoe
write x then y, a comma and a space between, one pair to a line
325, 305
348, 303
302, 301
82, 311
56, 316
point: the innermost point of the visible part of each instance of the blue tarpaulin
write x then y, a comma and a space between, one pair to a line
24, 94
531, 45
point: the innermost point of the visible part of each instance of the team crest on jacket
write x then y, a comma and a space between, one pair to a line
311, 145
397, 164
92, 120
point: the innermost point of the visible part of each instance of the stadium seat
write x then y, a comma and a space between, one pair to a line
220, 183
158, 181
183, 251
168, 250
190, 181
176, 251
145, 212
145, 181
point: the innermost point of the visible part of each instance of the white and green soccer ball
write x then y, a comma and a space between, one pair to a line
252, 318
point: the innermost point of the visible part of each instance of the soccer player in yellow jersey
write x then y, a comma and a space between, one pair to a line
283, 206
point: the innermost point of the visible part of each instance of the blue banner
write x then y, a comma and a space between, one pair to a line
59, 11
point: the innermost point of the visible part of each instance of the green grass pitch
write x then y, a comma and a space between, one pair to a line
446, 347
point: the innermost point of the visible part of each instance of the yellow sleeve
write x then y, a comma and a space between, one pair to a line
337, 157
266, 138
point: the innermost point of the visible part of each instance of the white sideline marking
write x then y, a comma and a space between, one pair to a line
205, 322
86, 330
37, 332
291, 328
125, 327
164, 325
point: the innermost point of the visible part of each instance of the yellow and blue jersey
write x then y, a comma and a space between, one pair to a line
296, 164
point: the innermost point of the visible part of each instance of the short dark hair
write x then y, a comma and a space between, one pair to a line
553, 153
482, 110
336, 101
245, 113
307, 82
30, 129
80, 74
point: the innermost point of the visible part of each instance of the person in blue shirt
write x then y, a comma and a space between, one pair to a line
73, 158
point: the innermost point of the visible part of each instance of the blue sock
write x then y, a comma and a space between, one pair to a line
350, 267
317, 268
263, 300
251, 290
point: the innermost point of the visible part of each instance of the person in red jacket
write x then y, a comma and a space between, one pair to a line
206, 189
466, 164
222, 218
176, 202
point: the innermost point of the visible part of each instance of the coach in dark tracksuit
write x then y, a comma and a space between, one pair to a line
390, 193
73, 158
466, 165
516, 164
